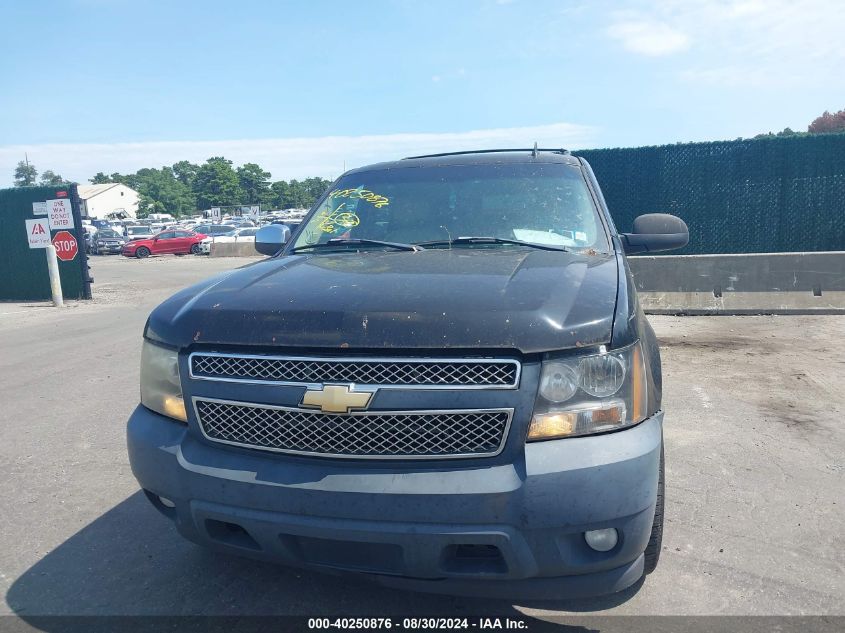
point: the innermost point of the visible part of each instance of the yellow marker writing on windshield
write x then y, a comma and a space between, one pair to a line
361, 194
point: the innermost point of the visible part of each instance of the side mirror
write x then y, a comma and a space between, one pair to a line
655, 232
270, 239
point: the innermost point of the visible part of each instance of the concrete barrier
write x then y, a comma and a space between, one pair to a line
233, 249
755, 283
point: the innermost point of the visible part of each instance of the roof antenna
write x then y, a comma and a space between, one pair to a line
534, 153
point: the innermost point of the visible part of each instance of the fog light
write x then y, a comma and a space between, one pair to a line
167, 503
602, 540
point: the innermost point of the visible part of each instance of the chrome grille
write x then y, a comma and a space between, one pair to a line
372, 434
383, 372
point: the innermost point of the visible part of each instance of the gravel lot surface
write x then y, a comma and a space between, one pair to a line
755, 453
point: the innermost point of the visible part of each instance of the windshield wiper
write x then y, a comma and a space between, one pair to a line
339, 241
492, 240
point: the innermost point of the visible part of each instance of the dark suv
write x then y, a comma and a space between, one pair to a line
442, 379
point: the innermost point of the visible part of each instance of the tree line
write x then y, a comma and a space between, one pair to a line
185, 187
827, 123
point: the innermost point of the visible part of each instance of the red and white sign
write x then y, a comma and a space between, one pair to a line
66, 247
60, 215
38, 233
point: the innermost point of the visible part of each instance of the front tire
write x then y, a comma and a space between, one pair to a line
142, 252
652, 550
195, 249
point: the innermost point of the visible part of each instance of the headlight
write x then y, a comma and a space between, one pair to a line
590, 394
161, 389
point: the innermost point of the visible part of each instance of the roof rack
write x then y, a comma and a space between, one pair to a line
534, 150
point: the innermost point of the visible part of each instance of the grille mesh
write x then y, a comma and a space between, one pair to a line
457, 373
412, 434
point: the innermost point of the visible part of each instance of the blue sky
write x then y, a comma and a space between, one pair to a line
306, 87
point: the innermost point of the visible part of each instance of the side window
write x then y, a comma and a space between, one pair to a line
166, 236
182, 234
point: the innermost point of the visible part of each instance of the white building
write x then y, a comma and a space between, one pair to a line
109, 201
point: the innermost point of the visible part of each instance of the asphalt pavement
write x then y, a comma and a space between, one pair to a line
755, 484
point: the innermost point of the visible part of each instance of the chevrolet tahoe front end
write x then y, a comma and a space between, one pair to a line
468, 407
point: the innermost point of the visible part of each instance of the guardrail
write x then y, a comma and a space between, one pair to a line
755, 283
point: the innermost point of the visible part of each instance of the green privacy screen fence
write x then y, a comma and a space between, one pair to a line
780, 194
23, 271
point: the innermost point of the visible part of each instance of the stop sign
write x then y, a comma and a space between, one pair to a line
66, 247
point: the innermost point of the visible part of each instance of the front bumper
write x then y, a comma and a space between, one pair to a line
507, 530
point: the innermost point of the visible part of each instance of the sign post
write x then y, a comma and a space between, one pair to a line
55, 279
38, 234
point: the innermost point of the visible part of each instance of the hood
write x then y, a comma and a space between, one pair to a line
526, 300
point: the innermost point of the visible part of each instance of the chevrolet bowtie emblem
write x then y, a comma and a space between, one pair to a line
336, 399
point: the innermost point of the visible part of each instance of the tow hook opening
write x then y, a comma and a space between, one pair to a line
230, 534
473, 559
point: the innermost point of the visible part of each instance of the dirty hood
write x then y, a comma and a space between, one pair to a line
508, 298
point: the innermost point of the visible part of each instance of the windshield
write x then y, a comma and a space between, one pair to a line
539, 203
108, 234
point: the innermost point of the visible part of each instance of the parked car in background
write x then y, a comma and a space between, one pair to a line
100, 224
166, 242
239, 220
106, 241
246, 234
291, 224
88, 233
116, 226
160, 217
213, 230
138, 232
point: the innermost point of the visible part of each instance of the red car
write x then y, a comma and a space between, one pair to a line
178, 242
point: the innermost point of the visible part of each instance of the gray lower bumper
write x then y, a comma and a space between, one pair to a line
509, 530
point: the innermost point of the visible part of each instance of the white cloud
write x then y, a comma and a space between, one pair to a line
648, 37
775, 43
285, 158
459, 73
